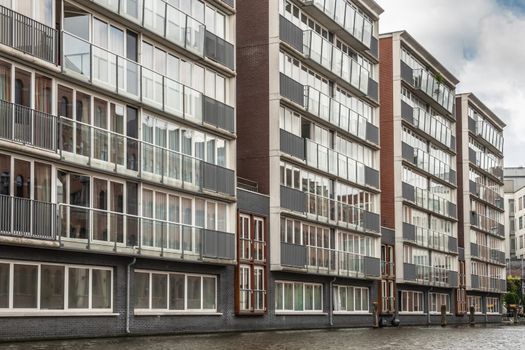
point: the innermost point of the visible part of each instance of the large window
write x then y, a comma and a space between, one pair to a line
474, 301
493, 305
298, 297
36, 286
411, 301
163, 291
351, 299
437, 300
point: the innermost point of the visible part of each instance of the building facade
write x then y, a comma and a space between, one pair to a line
117, 162
481, 206
514, 183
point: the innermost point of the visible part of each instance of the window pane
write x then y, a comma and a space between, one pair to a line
25, 286
141, 290
4, 285
176, 292
52, 287
194, 292
159, 297
101, 289
208, 285
78, 288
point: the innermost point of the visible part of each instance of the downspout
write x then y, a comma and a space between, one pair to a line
128, 289
331, 310
428, 305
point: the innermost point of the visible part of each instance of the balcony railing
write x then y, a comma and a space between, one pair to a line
487, 224
27, 126
433, 88
487, 283
426, 162
27, 35
488, 164
346, 17
430, 275
486, 253
329, 261
428, 238
104, 149
22, 217
427, 200
128, 78
486, 193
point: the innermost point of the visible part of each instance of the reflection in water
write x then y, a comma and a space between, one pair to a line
410, 338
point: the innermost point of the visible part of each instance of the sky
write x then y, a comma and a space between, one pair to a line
482, 42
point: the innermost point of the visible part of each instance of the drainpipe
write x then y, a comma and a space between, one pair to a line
331, 310
428, 305
128, 289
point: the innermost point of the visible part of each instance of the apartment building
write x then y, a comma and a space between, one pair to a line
514, 182
117, 162
481, 206
308, 134
418, 176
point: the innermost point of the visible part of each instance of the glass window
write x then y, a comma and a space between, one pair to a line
194, 292
177, 288
141, 282
52, 287
25, 285
78, 297
159, 291
101, 289
4, 285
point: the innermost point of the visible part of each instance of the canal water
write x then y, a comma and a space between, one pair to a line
408, 338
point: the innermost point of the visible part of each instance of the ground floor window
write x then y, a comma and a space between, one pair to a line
474, 301
162, 291
493, 305
437, 300
387, 296
298, 296
411, 301
252, 293
351, 299
36, 286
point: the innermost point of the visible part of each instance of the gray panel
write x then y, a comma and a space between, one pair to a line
452, 143
292, 144
409, 272
374, 47
452, 244
408, 192
388, 236
372, 266
452, 210
498, 172
219, 50
293, 255
452, 278
409, 232
407, 152
372, 133
472, 125
452, 176
292, 89
291, 34
373, 89
407, 112
503, 285
499, 202
473, 188
474, 218
218, 245
293, 199
371, 177
218, 179
230, 3
501, 230
461, 253
253, 202
218, 114
471, 155
407, 74
474, 281
371, 221
474, 250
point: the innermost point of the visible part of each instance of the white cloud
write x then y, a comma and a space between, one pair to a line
481, 43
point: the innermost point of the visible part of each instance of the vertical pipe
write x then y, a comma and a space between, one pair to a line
128, 291
331, 297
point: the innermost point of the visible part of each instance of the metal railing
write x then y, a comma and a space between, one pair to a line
130, 79
432, 165
488, 194
23, 217
27, 35
432, 126
438, 91
431, 239
487, 163
432, 275
102, 148
28, 126
488, 224
335, 262
430, 201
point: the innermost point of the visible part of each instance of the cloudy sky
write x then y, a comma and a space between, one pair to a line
482, 42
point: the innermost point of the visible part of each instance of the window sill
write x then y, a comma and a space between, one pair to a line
175, 313
437, 313
413, 313
362, 313
57, 314
300, 313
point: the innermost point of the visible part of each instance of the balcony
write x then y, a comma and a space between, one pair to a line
167, 21
485, 163
430, 275
489, 135
102, 149
487, 224
326, 261
28, 36
428, 163
486, 193
129, 79
428, 238
429, 201
387, 269
23, 125
429, 125
488, 284
487, 254
340, 17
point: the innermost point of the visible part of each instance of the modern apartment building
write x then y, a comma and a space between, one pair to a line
418, 177
514, 184
117, 163
308, 134
480, 206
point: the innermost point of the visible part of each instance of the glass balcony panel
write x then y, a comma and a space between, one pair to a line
350, 19
104, 68
363, 83
154, 16
359, 26
76, 55
132, 9
193, 104
367, 33
356, 72
152, 88
173, 97
175, 26
195, 36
